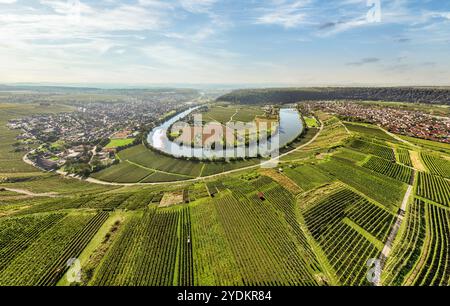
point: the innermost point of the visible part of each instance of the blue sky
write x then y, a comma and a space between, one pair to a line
290, 42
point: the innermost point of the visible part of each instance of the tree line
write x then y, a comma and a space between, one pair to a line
428, 95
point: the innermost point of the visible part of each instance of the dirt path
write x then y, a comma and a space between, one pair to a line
393, 234
416, 161
399, 138
231, 118
29, 193
345, 127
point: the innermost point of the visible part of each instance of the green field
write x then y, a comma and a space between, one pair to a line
311, 122
307, 176
123, 173
117, 143
370, 131
226, 113
142, 156
145, 162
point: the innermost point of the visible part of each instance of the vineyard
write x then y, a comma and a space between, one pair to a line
147, 244
370, 131
374, 149
350, 155
214, 262
393, 170
123, 173
315, 219
45, 258
436, 165
385, 190
421, 255
262, 246
350, 230
404, 157
17, 234
307, 176
433, 188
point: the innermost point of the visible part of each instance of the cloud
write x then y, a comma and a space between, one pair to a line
327, 25
288, 14
444, 15
364, 61
197, 6
7, 1
402, 40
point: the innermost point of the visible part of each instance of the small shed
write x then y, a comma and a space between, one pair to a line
261, 196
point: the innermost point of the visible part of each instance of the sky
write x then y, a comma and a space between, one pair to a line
272, 42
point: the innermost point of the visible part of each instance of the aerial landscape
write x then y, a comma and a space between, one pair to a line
192, 143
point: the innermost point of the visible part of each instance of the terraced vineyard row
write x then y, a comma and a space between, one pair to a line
185, 257
434, 264
137, 200
404, 157
38, 259
214, 262
105, 201
393, 170
383, 189
341, 224
433, 188
17, 234
285, 203
73, 250
146, 252
261, 243
374, 149
407, 249
348, 251
436, 165
425, 246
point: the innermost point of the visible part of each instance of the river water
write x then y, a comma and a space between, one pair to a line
290, 127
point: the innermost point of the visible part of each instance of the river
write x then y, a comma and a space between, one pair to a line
290, 127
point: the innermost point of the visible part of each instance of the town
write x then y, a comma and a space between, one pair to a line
86, 139
399, 121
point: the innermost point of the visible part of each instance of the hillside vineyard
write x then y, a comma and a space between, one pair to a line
345, 197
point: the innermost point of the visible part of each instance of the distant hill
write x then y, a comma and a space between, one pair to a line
75, 89
438, 95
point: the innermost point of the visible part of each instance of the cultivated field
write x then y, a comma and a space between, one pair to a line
315, 219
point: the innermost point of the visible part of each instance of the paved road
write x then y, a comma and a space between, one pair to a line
262, 164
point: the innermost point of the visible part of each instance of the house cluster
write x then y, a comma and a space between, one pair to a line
79, 136
399, 121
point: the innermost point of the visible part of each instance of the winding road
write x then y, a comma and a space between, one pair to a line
262, 164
